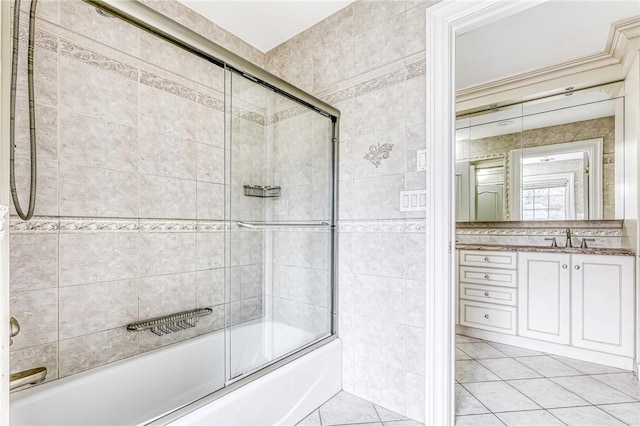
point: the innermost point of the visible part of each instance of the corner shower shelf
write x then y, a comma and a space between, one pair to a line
262, 191
171, 323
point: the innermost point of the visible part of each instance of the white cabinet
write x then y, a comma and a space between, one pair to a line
578, 305
544, 296
602, 303
487, 290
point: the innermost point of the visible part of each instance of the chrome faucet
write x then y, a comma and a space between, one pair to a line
568, 242
554, 243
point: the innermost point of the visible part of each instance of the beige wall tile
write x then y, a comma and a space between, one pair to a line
90, 141
415, 32
37, 314
210, 250
96, 192
367, 14
96, 257
172, 58
34, 261
167, 294
210, 163
379, 383
165, 155
46, 186
210, 287
36, 356
46, 130
89, 90
332, 65
210, 201
83, 19
379, 45
212, 322
167, 253
377, 197
89, 308
164, 112
162, 197
379, 110
210, 126
93, 350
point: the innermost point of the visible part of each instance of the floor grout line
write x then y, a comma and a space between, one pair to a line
550, 378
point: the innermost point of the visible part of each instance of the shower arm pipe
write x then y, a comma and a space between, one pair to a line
318, 224
164, 27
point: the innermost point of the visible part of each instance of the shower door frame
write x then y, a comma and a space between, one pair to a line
142, 16
5, 196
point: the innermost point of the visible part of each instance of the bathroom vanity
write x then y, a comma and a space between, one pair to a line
574, 302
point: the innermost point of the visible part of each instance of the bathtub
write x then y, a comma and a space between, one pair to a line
141, 389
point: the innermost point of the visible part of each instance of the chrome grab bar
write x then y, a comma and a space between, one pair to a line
315, 224
32, 376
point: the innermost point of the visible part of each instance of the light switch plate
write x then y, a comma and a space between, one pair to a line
413, 201
421, 159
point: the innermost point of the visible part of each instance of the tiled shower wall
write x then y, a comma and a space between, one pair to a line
368, 61
131, 190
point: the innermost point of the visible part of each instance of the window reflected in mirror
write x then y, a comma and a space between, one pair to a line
549, 159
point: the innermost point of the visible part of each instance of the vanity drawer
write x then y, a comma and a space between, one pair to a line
487, 293
491, 276
495, 259
488, 316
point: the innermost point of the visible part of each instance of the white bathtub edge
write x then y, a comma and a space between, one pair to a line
283, 397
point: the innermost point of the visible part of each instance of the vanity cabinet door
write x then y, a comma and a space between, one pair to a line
603, 303
544, 296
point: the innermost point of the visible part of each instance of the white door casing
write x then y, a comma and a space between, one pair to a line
443, 21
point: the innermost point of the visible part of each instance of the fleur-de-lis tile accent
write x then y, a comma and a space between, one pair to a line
378, 153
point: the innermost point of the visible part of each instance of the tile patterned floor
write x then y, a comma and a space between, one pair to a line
502, 385
347, 409
505, 385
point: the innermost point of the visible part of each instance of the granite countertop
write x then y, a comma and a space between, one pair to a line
547, 249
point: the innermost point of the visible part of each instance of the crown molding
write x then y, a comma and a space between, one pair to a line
610, 65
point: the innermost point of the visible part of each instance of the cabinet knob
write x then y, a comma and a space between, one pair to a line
577, 267
486, 293
486, 259
564, 266
486, 276
486, 316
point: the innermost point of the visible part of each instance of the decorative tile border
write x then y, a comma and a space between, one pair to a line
210, 101
74, 224
379, 82
150, 79
399, 225
167, 85
36, 224
97, 60
43, 39
539, 232
249, 116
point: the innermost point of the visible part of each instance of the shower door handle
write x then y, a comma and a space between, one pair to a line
317, 224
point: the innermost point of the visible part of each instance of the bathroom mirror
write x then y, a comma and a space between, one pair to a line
554, 158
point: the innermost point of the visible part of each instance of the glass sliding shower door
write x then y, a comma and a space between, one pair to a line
281, 212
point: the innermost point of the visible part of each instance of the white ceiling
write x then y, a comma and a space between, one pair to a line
541, 36
266, 23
